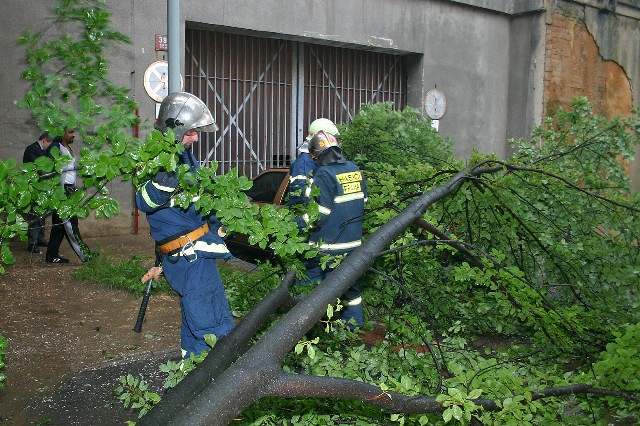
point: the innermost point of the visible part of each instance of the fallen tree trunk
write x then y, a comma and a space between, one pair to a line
255, 373
230, 381
222, 355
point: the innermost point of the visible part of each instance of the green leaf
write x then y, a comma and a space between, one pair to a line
475, 394
44, 164
329, 311
447, 415
211, 340
456, 412
311, 351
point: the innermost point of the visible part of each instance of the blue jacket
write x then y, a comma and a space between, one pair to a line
343, 192
168, 222
301, 169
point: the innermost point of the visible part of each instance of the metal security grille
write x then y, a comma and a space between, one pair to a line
338, 81
265, 92
246, 82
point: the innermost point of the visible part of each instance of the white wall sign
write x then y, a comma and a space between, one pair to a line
156, 80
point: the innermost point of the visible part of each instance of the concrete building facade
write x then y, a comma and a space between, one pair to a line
502, 65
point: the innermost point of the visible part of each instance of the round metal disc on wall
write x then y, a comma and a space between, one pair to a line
434, 104
156, 80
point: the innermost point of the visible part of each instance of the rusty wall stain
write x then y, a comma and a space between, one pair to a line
574, 67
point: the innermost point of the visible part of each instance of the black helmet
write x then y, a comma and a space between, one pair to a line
320, 142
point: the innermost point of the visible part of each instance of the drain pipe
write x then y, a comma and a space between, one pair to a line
136, 213
173, 40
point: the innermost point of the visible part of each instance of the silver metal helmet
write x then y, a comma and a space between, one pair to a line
182, 111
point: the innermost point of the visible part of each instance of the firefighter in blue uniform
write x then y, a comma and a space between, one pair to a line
303, 166
338, 230
188, 243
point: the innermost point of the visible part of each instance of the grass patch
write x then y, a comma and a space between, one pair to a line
124, 275
244, 289
3, 350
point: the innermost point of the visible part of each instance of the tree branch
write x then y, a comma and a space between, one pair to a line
512, 167
300, 385
297, 386
459, 245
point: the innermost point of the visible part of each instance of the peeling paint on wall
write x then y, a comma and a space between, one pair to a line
575, 67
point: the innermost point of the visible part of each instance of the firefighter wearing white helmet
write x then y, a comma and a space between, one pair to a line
338, 230
188, 243
304, 166
323, 125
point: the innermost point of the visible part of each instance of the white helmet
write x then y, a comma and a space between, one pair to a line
322, 125
182, 111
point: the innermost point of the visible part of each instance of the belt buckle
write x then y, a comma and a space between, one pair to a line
189, 245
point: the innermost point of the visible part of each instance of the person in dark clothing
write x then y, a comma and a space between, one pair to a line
35, 234
338, 230
60, 228
303, 167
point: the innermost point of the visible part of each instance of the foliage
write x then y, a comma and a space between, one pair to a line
557, 244
508, 324
3, 350
379, 134
549, 247
69, 88
134, 393
176, 371
553, 275
618, 366
244, 290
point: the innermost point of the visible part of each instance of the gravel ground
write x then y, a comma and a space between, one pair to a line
70, 341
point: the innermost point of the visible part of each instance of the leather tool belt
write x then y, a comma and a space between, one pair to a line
176, 244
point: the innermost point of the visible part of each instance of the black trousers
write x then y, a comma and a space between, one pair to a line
58, 233
35, 234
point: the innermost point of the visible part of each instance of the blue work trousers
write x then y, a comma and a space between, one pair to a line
204, 305
351, 299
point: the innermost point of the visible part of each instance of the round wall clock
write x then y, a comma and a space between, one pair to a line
435, 104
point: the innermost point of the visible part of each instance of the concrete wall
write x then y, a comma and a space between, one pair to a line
464, 50
466, 55
526, 74
485, 55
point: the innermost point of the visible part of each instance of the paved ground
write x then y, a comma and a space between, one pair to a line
69, 341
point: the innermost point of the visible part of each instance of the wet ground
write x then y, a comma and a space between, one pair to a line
69, 341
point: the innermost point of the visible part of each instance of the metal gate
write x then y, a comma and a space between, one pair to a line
339, 81
264, 93
246, 82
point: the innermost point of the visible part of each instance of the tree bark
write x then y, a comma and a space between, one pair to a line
228, 349
294, 386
